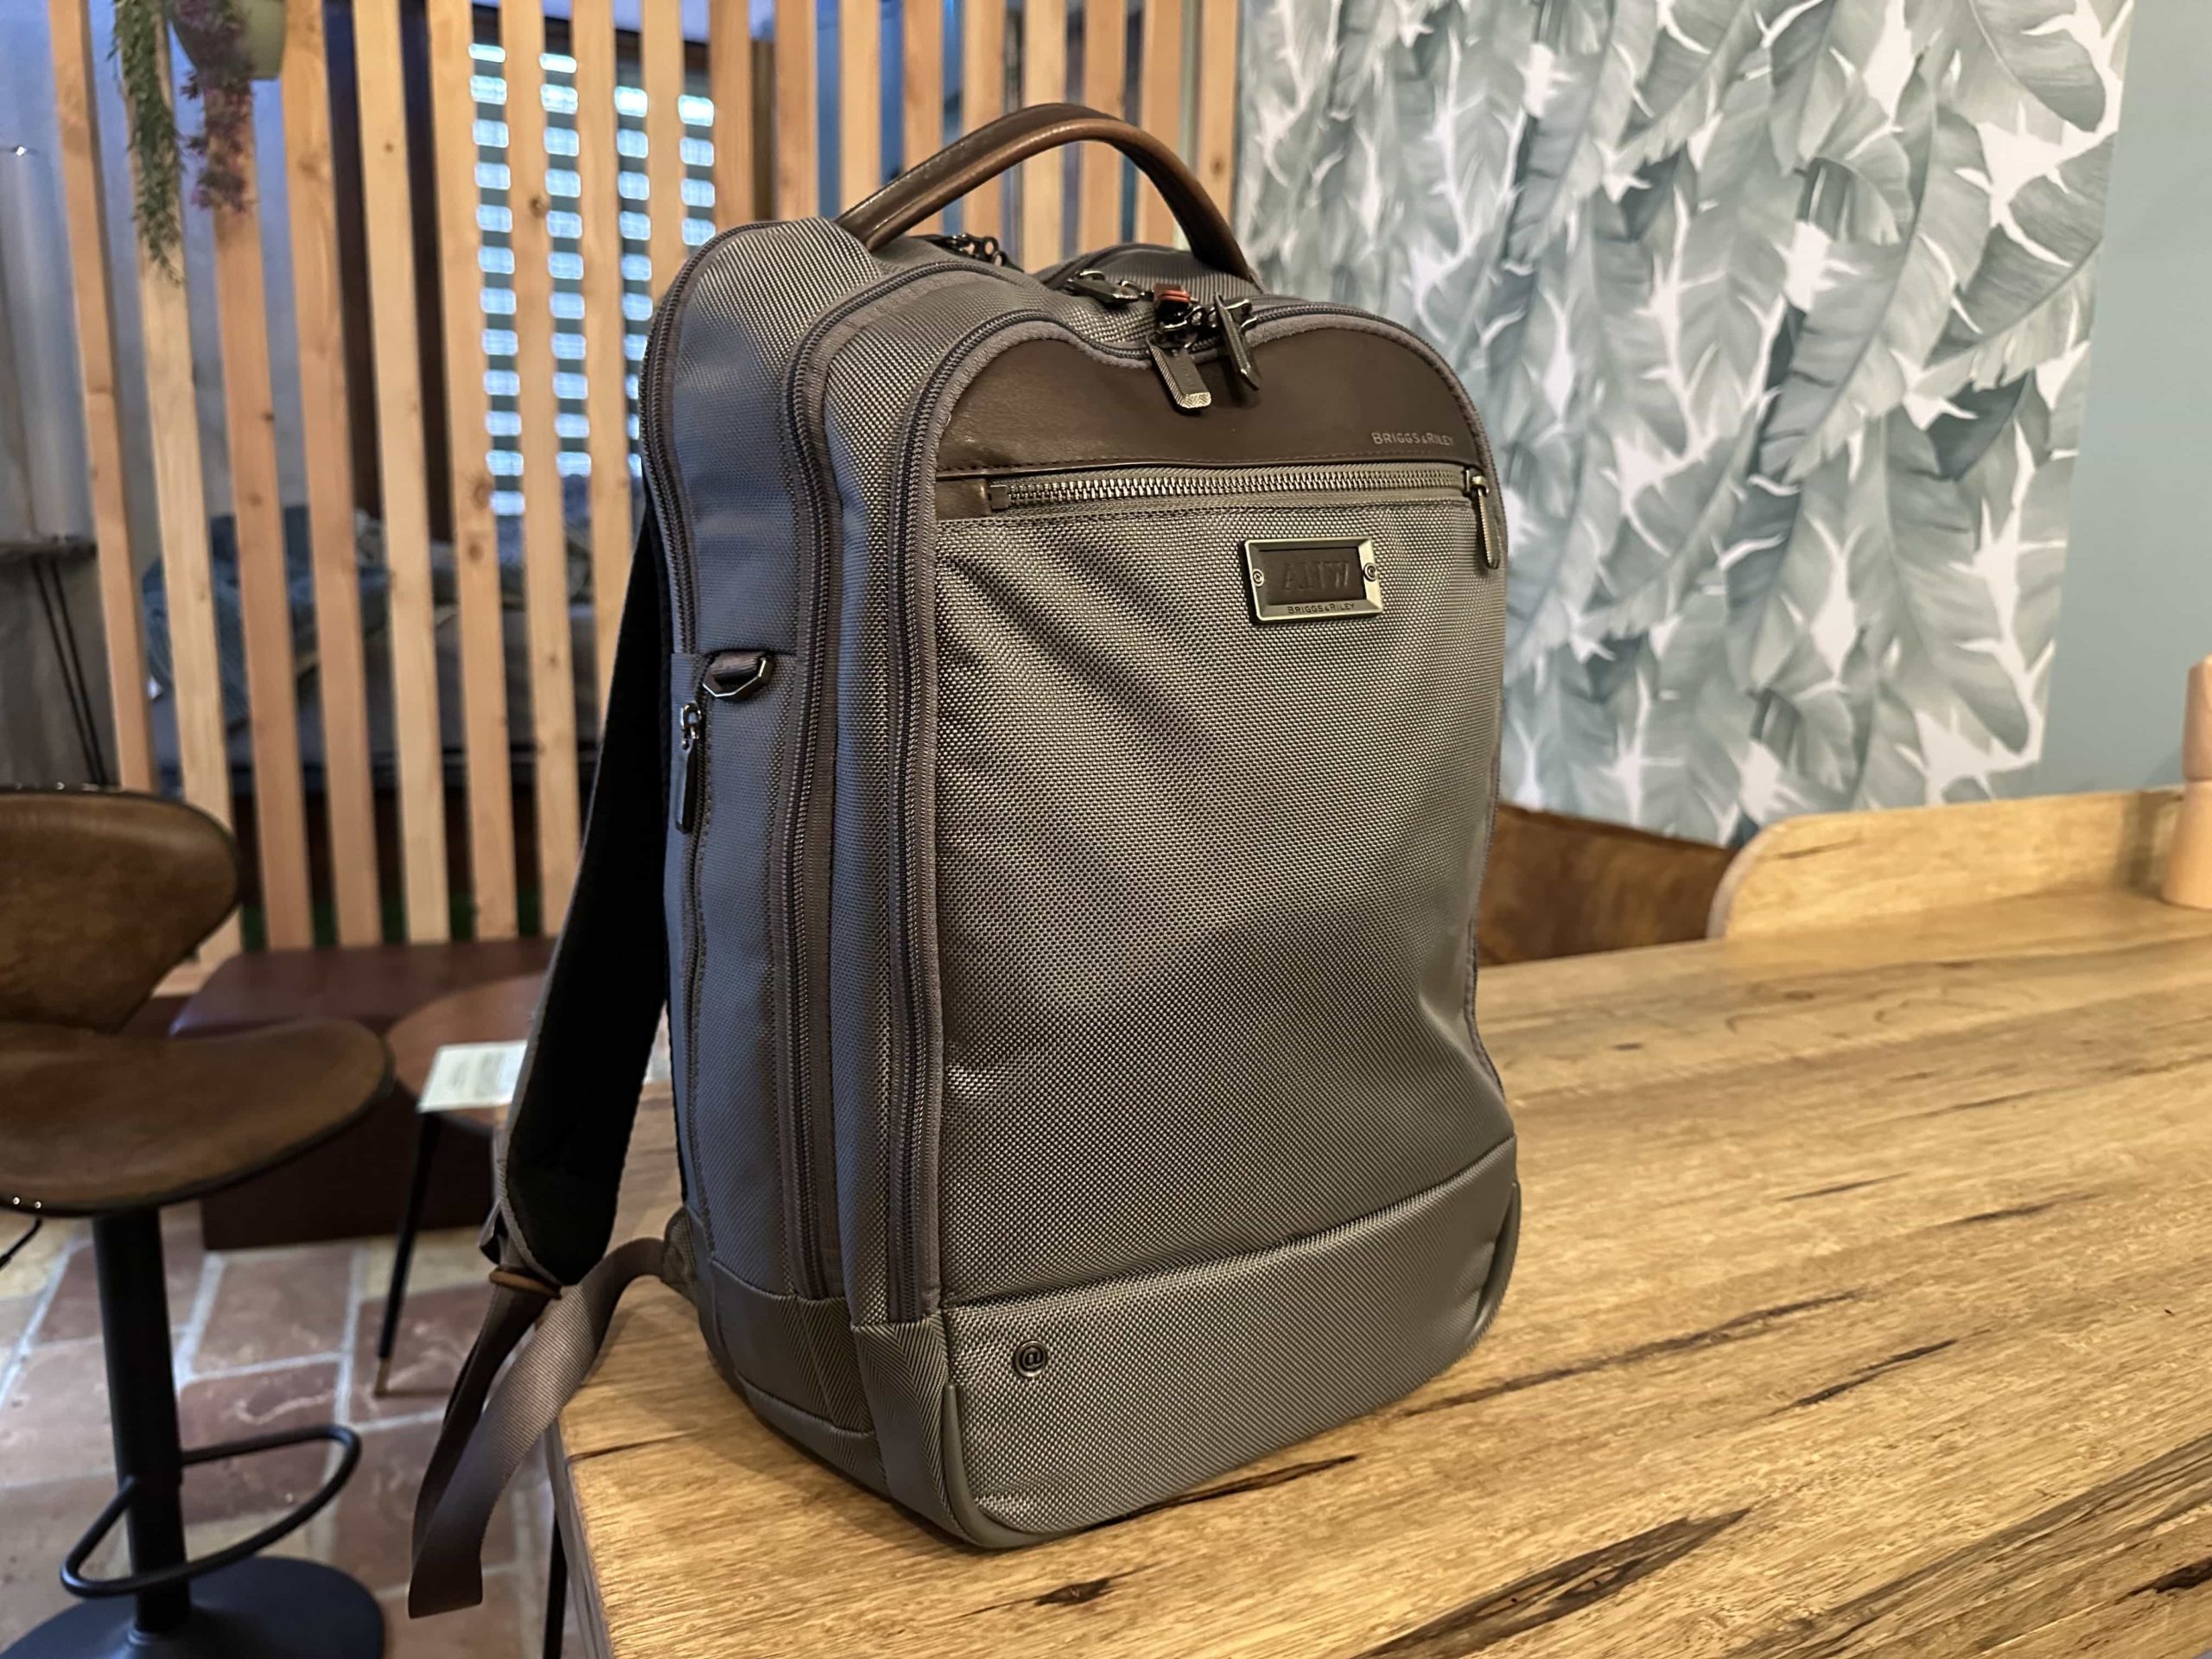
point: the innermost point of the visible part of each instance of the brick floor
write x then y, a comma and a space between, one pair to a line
264, 1339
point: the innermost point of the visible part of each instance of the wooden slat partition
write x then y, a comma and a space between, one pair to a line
195, 669
982, 99
765, 159
1216, 139
544, 533
729, 83
1105, 73
922, 89
660, 44
389, 230
591, 41
340, 678
1159, 107
1044, 81
860, 100
475, 536
264, 601
798, 182
84, 198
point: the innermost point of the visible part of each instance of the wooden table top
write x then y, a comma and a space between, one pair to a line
1862, 1307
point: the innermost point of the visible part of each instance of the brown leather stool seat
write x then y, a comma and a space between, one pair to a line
94, 1122
100, 893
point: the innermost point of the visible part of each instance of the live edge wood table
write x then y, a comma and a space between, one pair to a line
1864, 1307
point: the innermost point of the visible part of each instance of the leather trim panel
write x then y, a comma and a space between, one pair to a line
1324, 394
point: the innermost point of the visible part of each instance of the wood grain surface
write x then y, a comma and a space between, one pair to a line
187, 569
1105, 77
660, 52
983, 100
1044, 81
394, 315
482, 657
341, 677
922, 90
1159, 107
544, 518
264, 597
76, 108
1861, 1309
591, 38
798, 179
1838, 870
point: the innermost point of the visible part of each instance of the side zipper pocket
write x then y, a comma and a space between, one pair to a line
724, 677
728, 676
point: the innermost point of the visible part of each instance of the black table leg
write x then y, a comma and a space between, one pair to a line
557, 1594
427, 1134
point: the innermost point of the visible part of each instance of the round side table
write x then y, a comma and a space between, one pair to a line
498, 1011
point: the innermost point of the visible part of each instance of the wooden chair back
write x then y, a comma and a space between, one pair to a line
1842, 868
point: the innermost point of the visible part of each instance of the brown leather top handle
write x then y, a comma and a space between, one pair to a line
984, 154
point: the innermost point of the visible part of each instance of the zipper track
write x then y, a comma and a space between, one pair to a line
903, 1292
798, 1024
659, 466
1072, 488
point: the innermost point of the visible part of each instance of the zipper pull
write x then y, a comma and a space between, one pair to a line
1113, 292
1477, 486
1229, 321
983, 248
692, 757
1181, 377
732, 676
728, 676
1175, 319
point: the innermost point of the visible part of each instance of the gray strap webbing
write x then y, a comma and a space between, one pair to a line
488, 1431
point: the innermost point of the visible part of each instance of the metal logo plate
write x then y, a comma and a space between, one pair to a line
1304, 581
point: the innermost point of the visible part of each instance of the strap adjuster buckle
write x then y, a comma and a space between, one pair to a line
513, 1278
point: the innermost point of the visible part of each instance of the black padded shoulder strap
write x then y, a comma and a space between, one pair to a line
577, 1098
569, 1129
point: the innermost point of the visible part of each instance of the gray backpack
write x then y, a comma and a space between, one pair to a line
1047, 779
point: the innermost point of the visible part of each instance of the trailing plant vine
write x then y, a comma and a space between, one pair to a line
214, 35
142, 44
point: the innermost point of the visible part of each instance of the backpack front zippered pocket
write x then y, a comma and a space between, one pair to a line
1105, 486
1204, 863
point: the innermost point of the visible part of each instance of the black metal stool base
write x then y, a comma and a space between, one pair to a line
258, 1609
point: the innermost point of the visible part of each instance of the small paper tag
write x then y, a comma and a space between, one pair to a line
468, 1077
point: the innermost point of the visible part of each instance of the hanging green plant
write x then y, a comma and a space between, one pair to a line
232, 44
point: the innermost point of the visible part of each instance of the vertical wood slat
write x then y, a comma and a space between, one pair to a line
388, 232
660, 49
544, 532
475, 538
265, 601
341, 680
1159, 107
1105, 73
1216, 142
591, 41
982, 99
196, 673
922, 88
860, 100
729, 83
1044, 81
798, 180
76, 104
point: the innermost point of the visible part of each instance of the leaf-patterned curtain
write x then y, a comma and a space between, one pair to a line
1778, 311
